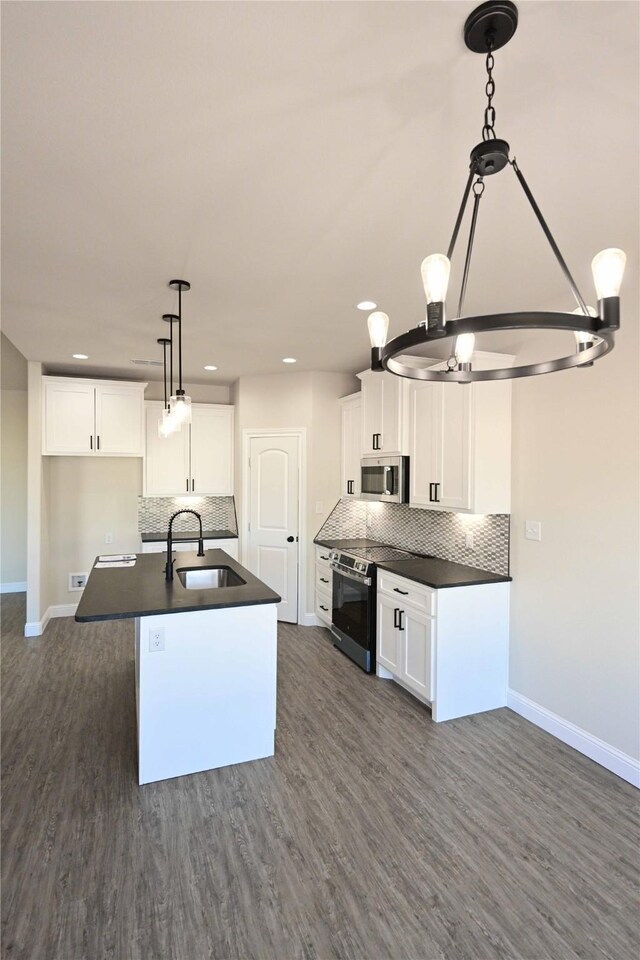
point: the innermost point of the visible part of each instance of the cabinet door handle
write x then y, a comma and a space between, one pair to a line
193, 485
436, 498
187, 484
91, 442
395, 617
323, 557
430, 493
323, 580
326, 609
405, 593
98, 440
400, 616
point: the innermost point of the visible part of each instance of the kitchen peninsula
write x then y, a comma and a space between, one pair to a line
205, 665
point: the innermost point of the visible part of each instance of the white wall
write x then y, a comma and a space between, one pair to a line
199, 392
89, 498
575, 648
13, 467
290, 400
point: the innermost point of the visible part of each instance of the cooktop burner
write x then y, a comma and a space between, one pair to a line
378, 554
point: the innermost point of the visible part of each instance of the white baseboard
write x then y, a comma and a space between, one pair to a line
19, 586
37, 627
63, 610
603, 753
309, 620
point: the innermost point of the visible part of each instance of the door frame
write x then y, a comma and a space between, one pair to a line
301, 433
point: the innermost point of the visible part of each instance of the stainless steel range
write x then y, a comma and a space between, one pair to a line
353, 617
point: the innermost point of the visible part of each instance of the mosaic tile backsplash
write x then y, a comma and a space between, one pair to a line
218, 513
424, 531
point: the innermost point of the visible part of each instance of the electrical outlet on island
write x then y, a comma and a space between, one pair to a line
468, 540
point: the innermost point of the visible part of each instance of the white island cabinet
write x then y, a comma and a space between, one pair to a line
205, 659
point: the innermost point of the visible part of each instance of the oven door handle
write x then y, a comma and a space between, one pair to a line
351, 576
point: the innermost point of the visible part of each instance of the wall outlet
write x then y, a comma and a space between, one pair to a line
468, 540
533, 530
108, 538
156, 640
78, 581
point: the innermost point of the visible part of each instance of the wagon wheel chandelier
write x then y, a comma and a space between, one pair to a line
489, 27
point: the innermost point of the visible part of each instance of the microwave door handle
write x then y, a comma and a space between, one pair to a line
388, 492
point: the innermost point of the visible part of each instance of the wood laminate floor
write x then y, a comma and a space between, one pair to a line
373, 833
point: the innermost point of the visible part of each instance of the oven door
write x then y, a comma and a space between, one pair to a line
352, 618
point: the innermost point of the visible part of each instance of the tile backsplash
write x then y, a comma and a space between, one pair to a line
218, 513
424, 531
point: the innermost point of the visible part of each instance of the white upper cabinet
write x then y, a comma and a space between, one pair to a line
166, 460
351, 445
196, 460
92, 417
212, 449
460, 446
383, 400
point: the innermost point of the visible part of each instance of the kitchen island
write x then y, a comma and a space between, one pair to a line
205, 659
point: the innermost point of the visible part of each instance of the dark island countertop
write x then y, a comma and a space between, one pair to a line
119, 593
182, 536
439, 574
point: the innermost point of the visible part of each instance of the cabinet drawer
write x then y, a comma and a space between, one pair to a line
324, 578
323, 607
322, 555
407, 592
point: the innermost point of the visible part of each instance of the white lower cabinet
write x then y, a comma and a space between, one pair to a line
448, 647
324, 587
405, 643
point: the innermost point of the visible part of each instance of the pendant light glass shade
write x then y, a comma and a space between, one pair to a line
181, 409
165, 424
608, 269
378, 324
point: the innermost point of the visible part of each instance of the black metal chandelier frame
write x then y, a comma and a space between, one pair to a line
489, 27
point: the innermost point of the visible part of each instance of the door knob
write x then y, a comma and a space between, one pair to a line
290, 539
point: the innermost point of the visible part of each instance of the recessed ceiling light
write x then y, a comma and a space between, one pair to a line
80, 356
367, 305
210, 366
289, 360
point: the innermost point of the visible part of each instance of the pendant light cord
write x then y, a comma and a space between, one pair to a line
180, 390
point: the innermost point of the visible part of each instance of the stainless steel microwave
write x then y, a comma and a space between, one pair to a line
385, 478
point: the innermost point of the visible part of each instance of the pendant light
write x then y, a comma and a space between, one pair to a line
168, 422
180, 402
489, 27
165, 426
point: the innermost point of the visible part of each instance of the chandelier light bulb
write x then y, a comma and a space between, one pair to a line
608, 268
435, 277
581, 335
378, 324
464, 347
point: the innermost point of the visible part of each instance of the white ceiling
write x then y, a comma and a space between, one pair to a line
289, 160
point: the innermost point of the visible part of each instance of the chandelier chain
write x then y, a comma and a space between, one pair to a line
488, 133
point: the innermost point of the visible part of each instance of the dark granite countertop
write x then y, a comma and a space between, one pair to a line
120, 593
439, 574
431, 571
180, 536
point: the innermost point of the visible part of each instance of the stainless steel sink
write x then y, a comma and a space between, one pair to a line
206, 578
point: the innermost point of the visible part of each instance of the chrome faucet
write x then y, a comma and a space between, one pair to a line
168, 570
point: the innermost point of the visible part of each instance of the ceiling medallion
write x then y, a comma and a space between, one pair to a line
489, 27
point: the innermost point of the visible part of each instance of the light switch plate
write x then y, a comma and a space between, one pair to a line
533, 530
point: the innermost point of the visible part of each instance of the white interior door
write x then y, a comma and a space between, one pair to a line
272, 534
